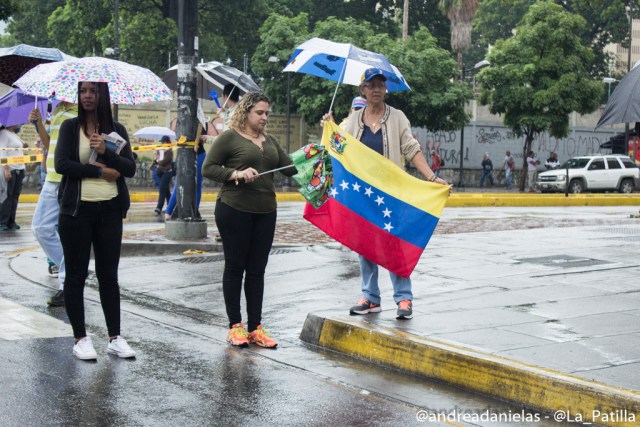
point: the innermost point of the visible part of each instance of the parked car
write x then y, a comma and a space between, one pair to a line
592, 173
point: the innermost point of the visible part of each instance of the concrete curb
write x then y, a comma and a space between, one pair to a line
455, 200
541, 389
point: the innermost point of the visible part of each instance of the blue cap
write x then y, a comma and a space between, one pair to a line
358, 102
371, 73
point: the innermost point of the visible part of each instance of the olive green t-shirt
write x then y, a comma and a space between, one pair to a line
232, 152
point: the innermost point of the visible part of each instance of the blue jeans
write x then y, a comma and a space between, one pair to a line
164, 192
507, 178
486, 174
45, 223
370, 289
172, 201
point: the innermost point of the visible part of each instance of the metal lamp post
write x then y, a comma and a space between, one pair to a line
476, 67
287, 182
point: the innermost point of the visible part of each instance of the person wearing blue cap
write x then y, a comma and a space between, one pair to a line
387, 131
357, 104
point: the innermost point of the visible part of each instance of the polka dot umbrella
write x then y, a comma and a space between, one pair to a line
128, 84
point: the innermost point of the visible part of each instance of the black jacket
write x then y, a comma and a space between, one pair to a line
67, 164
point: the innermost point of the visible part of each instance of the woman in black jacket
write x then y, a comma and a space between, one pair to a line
93, 201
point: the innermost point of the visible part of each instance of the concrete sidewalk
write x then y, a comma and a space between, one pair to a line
545, 317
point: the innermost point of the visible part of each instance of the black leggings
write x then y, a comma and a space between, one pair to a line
98, 224
246, 240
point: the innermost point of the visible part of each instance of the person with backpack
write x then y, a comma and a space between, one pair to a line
508, 167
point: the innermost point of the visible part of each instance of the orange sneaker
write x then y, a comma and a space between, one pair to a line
261, 338
238, 336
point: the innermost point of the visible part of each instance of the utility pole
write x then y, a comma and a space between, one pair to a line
185, 222
405, 21
116, 46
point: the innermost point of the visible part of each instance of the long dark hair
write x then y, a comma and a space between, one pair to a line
103, 115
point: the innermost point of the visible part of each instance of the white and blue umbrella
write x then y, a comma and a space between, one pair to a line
342, 63
155, 132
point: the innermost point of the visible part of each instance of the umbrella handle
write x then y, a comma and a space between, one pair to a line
338, 85
35, 122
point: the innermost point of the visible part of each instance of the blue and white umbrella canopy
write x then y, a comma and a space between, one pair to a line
342, 63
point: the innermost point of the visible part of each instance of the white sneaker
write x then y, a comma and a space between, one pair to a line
84, 350
119, 347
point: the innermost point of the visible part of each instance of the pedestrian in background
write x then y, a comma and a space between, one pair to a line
13, 174
552, 162
357, 104
93, 201
532, 167
44, 224
246, 213
163, 163
387, 131
508, 166
487, 169
436, 162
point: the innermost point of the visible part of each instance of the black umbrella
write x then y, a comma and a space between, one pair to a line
213, 76
624, 104
17, 60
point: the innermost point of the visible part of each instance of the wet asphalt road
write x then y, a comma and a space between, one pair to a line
185, 374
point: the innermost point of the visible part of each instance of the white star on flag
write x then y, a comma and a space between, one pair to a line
368, 191
356, 187
380, 200
344, 185
333, 192
386, 212
388, 227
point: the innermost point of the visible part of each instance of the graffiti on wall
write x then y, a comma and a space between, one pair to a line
495, 140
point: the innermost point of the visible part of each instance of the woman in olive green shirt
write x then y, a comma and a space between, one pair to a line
246, 212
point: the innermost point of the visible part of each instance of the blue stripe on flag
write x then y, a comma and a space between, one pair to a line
399, 218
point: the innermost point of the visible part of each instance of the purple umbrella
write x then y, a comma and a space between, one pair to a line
15, 107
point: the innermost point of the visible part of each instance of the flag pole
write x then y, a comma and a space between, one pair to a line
273, 170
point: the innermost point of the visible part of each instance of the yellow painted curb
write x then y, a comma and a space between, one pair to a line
456, 200
541, 389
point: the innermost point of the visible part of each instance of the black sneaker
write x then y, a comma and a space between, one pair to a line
14, 226
405, 309
364, 306
57, 300
53, 270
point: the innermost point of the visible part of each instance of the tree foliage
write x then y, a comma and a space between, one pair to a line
541, 74
606, 22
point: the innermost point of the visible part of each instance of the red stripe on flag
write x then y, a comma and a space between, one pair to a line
358, 234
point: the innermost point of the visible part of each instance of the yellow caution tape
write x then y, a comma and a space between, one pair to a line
36, 158
152, 147
36, 149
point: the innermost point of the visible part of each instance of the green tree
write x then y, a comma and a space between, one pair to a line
28, 23
460, 13
7, 8
541, 75
73, 28
606, 23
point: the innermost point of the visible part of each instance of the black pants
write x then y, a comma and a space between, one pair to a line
9, 207
246, 240
98, 224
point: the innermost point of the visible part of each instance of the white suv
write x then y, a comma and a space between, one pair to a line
592, 173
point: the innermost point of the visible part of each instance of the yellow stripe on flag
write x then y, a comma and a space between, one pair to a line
382, 173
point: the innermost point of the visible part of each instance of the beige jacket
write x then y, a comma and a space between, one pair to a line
397, 139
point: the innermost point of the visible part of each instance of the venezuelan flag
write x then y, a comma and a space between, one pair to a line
375, 208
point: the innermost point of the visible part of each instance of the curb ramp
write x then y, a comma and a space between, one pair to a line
565, 397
